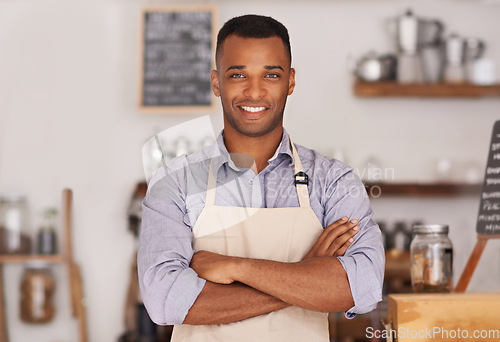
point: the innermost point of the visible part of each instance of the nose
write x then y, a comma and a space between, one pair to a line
255, 88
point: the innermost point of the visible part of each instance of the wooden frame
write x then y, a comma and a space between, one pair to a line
492, 207
466, 276
175, 109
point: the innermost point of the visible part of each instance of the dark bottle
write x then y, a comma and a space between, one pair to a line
46, 237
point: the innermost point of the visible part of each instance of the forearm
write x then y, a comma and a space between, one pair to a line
318, 284
221, 304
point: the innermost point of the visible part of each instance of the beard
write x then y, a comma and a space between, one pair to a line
254, 130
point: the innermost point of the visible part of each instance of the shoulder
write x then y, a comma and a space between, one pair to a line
177, 174
320, 166
330, 179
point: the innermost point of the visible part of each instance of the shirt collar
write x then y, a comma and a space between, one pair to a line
223, 157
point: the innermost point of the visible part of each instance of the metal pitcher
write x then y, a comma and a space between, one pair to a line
412, 32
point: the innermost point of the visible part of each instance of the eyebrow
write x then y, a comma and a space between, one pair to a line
267, 67
271, 67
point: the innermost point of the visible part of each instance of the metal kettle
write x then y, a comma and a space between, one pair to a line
413, 32
373, 67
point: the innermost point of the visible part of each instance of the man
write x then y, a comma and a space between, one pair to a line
282, 235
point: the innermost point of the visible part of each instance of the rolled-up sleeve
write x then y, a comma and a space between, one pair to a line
364, 260
168, 286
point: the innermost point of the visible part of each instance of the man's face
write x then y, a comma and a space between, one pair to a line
253, 80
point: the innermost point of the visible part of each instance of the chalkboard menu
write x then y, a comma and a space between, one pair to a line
488, 219
177, 53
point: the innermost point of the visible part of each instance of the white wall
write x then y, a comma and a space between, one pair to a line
68, 118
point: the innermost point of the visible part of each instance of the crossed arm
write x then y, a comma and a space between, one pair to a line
240, 288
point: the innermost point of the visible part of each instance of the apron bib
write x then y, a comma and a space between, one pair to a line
280, 234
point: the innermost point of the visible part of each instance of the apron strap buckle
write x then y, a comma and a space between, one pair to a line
301, 178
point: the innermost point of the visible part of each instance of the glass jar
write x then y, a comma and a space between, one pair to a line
37, 293
14, 226
46, 237
431, 259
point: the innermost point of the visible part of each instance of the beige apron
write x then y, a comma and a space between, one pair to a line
280, 234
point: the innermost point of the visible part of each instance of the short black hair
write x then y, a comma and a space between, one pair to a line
253, 26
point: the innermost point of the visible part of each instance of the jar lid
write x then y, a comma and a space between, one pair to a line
430, 229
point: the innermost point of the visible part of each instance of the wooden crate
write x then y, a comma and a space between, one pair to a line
445, 317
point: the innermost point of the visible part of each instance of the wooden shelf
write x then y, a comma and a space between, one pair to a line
383, 190
74, 274
21, 258
393, 89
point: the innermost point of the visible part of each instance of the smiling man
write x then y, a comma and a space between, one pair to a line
256, 239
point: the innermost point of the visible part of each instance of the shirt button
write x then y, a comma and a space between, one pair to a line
250, 181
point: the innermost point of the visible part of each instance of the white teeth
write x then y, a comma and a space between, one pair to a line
253, 109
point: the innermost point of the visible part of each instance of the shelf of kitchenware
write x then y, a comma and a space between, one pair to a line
377, 190
394, 89
74, 274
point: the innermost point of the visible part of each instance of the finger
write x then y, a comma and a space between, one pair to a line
334, 226
330, 246
341, 240
337, 223
329, 234
338, 231
341, 251
328, 229
328, 240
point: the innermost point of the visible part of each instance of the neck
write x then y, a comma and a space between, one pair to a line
261, 149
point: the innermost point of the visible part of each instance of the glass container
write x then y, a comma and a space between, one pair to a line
431, 259
47, 237
37, 293
14, 225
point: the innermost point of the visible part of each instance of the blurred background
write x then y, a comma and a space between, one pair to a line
69, 117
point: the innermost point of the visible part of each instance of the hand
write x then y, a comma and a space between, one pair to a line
335, 239
213, 267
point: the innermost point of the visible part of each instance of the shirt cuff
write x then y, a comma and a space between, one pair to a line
183, 294
364, 288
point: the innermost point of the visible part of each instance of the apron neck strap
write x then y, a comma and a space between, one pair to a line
212, 184
302, 191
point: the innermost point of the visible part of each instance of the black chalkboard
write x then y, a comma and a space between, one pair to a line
488, 219
177, 54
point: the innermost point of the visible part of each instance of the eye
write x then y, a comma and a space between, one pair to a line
236, 75
273, 75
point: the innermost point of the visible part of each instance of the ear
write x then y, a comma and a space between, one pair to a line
214, 79
291, 81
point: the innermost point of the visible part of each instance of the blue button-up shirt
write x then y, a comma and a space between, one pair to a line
176, 197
